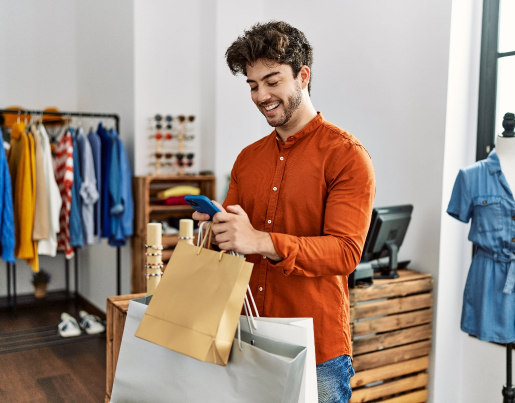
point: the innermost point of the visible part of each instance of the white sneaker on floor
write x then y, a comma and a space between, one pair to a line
90, 323
68, 327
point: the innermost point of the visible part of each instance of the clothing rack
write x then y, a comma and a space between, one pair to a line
11, 269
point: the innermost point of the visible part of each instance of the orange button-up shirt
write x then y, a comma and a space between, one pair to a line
314, 195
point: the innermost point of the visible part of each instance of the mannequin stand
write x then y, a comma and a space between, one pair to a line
508, 391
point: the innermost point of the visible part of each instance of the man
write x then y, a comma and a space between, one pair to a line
299, 200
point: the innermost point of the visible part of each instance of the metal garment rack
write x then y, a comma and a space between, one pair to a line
11, 300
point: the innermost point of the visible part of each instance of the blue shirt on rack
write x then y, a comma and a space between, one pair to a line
106, 144
6, 209
76, 231
482, 193
120, 187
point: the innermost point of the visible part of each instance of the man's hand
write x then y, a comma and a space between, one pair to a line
233, 231
201, 217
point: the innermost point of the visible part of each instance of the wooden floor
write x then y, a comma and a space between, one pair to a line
71, 372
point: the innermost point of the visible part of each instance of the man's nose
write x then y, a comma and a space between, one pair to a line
263, 95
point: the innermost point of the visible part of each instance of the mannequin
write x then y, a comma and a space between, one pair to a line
505, 149
484, 194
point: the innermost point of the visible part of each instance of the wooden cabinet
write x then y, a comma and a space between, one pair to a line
146, 210
391, 339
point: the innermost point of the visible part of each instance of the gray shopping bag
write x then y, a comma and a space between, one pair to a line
263, 371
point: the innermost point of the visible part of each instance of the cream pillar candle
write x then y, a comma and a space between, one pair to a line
154, 255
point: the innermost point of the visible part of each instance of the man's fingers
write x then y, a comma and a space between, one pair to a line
218, 205
236, 209
200, 216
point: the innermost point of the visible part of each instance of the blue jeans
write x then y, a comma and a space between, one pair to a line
333, 379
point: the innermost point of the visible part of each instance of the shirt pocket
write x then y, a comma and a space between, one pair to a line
488, 213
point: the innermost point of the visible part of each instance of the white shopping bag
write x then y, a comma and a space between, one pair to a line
259, 370
298, 331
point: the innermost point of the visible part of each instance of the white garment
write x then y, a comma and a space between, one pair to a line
49, 246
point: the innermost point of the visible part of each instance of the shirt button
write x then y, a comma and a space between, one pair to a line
269, 221
484, 201
282, 158
260, 288
274, 188
513, 240
513, 217
264, 257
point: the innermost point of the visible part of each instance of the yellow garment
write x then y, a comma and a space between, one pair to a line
178, 191
22, 166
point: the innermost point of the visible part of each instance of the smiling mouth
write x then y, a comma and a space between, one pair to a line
271, 107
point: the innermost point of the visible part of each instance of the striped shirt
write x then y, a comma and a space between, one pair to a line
64, 179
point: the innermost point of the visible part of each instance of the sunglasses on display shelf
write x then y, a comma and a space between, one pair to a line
159, 155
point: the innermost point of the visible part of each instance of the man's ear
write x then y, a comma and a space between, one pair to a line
304, 74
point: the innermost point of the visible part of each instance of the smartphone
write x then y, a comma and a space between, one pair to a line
202, 204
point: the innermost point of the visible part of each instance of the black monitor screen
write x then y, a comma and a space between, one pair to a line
386, 233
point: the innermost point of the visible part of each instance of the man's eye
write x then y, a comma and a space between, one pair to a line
272, 84
253, 88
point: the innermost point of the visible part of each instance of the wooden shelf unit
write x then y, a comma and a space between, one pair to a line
145, 192
391, 339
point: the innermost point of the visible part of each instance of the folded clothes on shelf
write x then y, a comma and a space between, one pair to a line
172, 201
178, 191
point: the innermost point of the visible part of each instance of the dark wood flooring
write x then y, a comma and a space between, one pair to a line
71, 372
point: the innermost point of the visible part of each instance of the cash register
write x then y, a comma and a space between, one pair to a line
387, 230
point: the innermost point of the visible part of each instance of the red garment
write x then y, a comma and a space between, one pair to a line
172, 201
64, 179
314, 195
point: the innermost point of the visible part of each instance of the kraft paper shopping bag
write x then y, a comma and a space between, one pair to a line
196, 308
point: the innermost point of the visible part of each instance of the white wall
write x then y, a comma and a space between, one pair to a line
167, 49
38, 69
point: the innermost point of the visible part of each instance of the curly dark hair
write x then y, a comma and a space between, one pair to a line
275, 41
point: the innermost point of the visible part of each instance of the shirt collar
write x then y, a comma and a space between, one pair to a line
493, 163
308, 129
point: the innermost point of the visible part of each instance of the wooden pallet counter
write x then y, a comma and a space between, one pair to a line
391, 338
116, 313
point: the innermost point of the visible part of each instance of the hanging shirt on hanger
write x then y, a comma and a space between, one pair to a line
96, 149
76, 231
6, 210
41, 219
64, 179
122, 212
106, 165
88, 189
23, 175
49, 246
